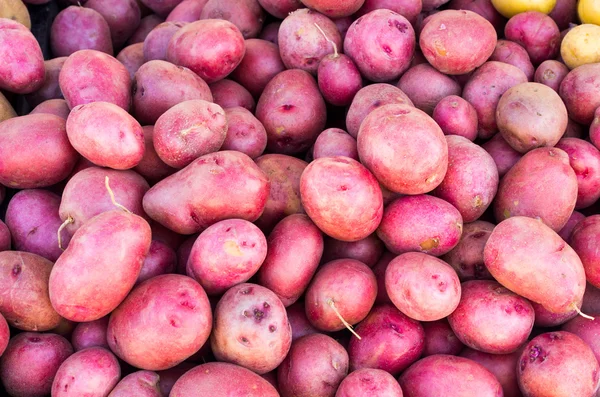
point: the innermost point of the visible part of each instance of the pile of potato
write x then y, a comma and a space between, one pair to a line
301, 198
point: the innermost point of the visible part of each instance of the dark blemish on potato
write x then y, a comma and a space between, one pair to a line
519, 308
287, 107
16, 269
551, 152
400, 26
245, 313
442, 286
187, 304
395, 328
194, 218
430, 244
121, 135
272, 328
387, 49
218, 161
247, 291
523, 364
435, 276
174, 323
311, 61
115, 340
462, 266
35, 339
258, 314
266, 305
554, 336
534, 353
32, 231
227, 230
478, 235
244, 340
377, 103
343, 188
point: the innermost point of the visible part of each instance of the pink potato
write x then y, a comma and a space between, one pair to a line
501, 365
245, 133
574, 130
585, 161
420, 223
558, 364
159, 85
390, 341
418, 159
270, 33
24, 299
90, 372
30, 362
33, 219
161, 323
554, 276
49, 89
580, 91
227, 253
22, 70
484, 89
247, 15
369, 98
189, 130
292, 111
490, 318
45, 155
343, 288
537, 33
335, 142
423, 287
409, 9
551, 73
208, 179
331, 188
161, 259
467, 257
229, 94
315, 366
334, 8
77, 28
427, 96
567, 230
5, 333
587, 330
545, 318
57, 107
451, 56
541, 185
512, 53
366, 381
161, 8
187, 11
591, 299
211, 48
367, 250
5, 237
298, 321
472, 178
455, 116
285, 272
122, 16
146, 25
584, 239
120, 145
151, 167
379, 271
381, 43
339, 79
132, 57
139, 384
503, 154
594, 131
157, 41
280, 8
111, 82
440, 339
251, 328
90, 334
455, 376
222, 379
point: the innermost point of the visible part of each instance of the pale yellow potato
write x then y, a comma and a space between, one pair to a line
510, 8
15, 10
6, 109
581, 46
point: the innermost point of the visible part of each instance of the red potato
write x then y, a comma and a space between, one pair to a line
211, 48
455, 116
537, 33
209, 178
343, 288
409, 9
545, 318
187, 11
247, 15
333, 8
381, 43
5, 333
335, 142
57, 107
379, 271
120, 145
245, 133
292, 111
558, 364
332, 189
591, 299
564, 13
90, 372
140, 383
390, 341
298, 321
227, 253
551, 73
161, 259
426, 97
111, 82
369, 98
440, 339
467, 257
485, 8
285, 272
251, 328
123, 17
584, 239
229, 94
161, 8
554, 277
484, 89
512, 53
271, 33
367, 250
157, 41
49, 89
420, 223
541, 185
503, 154
168, 377
22, 70
471, 181
567, 230
90, 334
5, 237
45, 155
315, 366
501, 365
280, 8
159, 85
31, 361
146, 25
580, 91
77, 28
151, 167
132, 57
339, 79
587, 330
594, 131
161, 323
216, 380
423, 287
584, 158
366, 381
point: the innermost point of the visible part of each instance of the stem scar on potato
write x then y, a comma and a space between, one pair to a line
331, 303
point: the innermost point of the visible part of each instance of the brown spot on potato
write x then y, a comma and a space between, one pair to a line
430, 244
272, 328
16, 270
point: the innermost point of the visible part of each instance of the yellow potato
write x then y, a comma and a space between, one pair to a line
581, 46
6, 109
15, 10
510, 8
589, 11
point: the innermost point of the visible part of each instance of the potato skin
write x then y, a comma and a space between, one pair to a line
335, 142
146, 25
514, 54
157, 40
50, 88
78, 28
17, 11
583, 240
339, 79
467, 257
6, 109
584, 158
187, 11
57, 107
151, 167
260, 64
161, 259
122, 17
501, 365
132, 57
368, 250
585, 329
228, 94
364, 382
580, 91
245, 133
298, 321
551, 73
440, 339
537, 33
90, 334
503, 154
140, 384
426, 97
161, 8
247, 15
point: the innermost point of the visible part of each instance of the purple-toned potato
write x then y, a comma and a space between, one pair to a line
512, 53
427, 96
591, 299
339, 79
157, 41
389, 341
366, 381
45, 156
260, 64
551, 73
271, 33
30, 362
292, 111
140, 384
381, 43
122, 16
546, 318
537, 33
455, 116
585, 161
111, 82
335, 142
583, 240
467, 257
33, 220
161, 259
132, 57
315, 366
420, 223
211, 48
146, 25
280, 8
551, 358
90, 334
168, 377
541, 185
379, 271
57, 107
580, 91
161, 8
222, 174
440, 339
503, 154
151, 167
485, 8
245, 133
587, 330
423, 287
331, 188
90, 372
187, 11
410, 9
247, 15
334, 8
251, 328
484, 89
370, 98
49, 89
367, 250
501, 365
162, 322
298, 321
77, 28
574, 130
229, 94
567, 230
